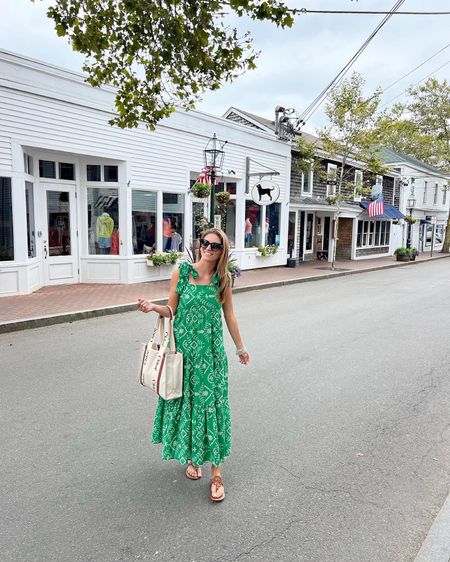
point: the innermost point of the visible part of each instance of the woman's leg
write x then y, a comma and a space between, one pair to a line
193, 472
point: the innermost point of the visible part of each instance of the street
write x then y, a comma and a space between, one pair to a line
341, 435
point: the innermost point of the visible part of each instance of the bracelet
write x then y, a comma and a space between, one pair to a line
241, 351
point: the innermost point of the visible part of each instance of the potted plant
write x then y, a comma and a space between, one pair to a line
163, 258
410, 219
413, 253
268, 250
233, 270
201, 189
402, 254
222, 197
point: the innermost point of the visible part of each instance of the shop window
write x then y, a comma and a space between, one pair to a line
272, 226
111, 173
6, 221
66, 171
439, 234
226, 186
229, 222
252, 224
103, 220
94, 172
29, 200
143, 221
372, 234
47, 169
173, 222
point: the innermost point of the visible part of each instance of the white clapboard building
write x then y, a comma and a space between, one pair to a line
84, 202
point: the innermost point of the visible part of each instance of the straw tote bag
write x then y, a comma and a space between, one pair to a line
160, 365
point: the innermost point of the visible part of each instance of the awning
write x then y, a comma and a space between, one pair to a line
425, 221
390, 212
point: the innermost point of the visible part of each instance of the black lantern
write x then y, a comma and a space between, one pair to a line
213, 155
411, 205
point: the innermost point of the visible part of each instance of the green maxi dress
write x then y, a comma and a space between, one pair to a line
197, 426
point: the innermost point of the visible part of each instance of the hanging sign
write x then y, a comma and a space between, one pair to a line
377, 190
265, 192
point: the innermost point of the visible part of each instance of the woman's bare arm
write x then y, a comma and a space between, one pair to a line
233, 327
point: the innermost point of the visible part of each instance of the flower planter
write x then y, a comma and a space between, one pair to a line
403, 257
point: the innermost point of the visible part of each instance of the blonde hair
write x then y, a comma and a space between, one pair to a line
222, 264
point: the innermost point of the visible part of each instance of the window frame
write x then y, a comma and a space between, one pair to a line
6, 177
331, 166
436, 189
370, 231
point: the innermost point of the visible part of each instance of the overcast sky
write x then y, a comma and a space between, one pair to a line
294, 64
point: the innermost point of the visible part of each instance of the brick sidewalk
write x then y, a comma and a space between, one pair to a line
68, 299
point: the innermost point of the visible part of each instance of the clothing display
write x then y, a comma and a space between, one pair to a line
104, 228
115, 243
176, 242
197, 426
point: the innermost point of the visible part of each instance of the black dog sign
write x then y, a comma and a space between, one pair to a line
265, 192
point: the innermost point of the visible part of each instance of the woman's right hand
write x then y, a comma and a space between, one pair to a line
145, 306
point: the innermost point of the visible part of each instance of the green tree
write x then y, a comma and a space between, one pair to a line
421, 127
350, 139
160, 54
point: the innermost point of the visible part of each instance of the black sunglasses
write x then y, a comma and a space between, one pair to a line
215, 246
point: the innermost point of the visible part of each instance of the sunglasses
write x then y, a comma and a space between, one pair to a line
215, 246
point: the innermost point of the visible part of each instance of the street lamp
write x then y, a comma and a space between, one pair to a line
411, 205
213, 156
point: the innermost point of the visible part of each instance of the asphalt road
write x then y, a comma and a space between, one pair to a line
341, 435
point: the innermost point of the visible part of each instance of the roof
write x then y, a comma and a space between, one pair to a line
391, 156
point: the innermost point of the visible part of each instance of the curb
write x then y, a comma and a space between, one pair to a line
436, 546
29, 323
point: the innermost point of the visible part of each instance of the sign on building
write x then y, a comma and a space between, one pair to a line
265, 192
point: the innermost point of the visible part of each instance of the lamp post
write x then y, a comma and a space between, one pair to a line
213, 156
411, 205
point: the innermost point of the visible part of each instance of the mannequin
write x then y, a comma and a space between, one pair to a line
104, 230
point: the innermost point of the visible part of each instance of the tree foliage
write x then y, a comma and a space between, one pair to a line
160, 54
421, 126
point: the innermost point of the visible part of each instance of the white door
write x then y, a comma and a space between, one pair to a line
60, 240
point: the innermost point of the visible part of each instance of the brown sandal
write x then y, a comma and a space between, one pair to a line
218, 483
198, 471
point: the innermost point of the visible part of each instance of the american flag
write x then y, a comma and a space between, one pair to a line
376, 208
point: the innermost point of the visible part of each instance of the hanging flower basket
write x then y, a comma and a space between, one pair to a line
163, 258
222, 197
201, 189
265, 251
410, 219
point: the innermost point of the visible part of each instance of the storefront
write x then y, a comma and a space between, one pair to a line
82, 202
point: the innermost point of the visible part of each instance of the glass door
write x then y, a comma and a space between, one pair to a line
60, 242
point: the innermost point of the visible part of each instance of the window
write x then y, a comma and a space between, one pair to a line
309, 232
94, 172
358, 184
227, 186
103, 220
252, 224
111, 173
28, 164
29, 200
6, 221
66, 171
272, 228
143, 219
58, 221
372, 234
425, 187
444, 195
439, 234
173, 222
331, 179
436, 188
47, 169
307, 182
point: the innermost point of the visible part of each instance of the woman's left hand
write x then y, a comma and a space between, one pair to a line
244, 359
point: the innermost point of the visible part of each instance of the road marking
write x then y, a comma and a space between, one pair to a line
436, 546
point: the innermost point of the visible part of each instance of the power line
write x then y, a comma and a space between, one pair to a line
312, 108
415, 84
368, 12
415, 68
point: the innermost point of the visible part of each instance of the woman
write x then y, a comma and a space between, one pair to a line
196, 428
